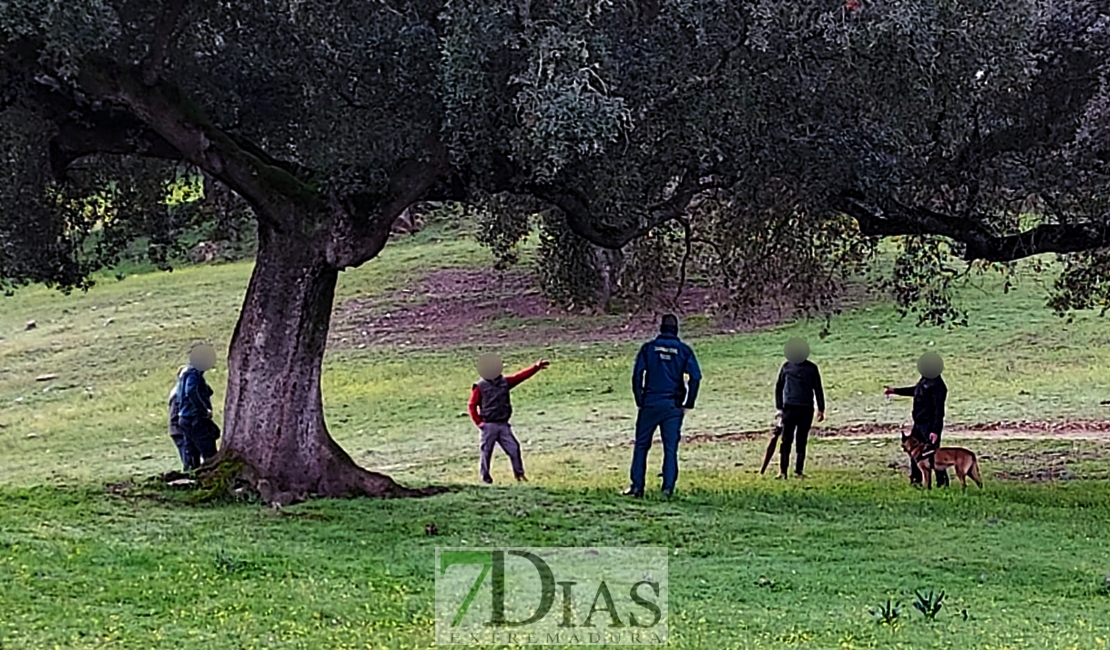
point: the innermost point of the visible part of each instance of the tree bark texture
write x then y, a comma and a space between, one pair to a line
274, 417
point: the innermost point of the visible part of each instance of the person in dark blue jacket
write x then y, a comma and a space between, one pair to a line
194, 409
665, 384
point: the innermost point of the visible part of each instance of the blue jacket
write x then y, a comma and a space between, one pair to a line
666, 373
194, 395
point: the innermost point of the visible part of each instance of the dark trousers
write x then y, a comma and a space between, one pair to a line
198, 441
915, 472
796, 422
184, 450
668, 419
498, 433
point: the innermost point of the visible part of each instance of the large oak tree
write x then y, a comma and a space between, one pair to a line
762, 125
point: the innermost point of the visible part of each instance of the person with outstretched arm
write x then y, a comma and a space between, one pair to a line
491, 408
929, 395
797, 388
665, 381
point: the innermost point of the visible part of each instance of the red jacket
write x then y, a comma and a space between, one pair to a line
514, 380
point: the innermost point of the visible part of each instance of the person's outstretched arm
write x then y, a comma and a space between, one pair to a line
779, 386
527, 373
472, 406
904, 392
693, 372
639, 378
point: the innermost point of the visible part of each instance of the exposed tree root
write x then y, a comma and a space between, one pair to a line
233, 476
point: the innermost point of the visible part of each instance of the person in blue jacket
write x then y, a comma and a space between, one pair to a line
176, 434
194, 410
665, 384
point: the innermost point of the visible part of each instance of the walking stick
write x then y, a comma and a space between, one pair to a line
775, 433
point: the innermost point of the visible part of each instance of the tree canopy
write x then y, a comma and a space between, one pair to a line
778, 139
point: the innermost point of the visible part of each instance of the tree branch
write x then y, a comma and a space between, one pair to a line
362, 223
164, 31
592, 227
110, 134
278, 196
890, 218
688, 239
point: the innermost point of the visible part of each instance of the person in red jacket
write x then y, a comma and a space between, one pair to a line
491, 409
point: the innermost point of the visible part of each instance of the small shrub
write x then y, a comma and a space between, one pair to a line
929, 604
888, 613
229, 564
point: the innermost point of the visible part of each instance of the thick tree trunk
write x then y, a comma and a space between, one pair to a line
274, 418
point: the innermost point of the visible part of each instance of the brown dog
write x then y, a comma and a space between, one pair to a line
928, 459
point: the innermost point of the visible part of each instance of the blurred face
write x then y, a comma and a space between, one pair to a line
203, 358
930, 365
490, 366
796, 351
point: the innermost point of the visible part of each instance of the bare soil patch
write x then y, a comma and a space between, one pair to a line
1020, 430
1022, 463
483, 307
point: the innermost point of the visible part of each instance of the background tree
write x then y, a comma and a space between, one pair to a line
753, 128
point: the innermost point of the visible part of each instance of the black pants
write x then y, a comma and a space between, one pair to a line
796, 422
915, 472
198, 442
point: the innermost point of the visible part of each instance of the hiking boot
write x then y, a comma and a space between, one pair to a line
781, 476
634, 493
522, 478
487, 479
668, 494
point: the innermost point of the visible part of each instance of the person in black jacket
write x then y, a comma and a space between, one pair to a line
798, 386
929, 395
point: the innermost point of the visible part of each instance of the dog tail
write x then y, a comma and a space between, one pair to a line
973, 472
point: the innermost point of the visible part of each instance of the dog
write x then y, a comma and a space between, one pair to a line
929, 458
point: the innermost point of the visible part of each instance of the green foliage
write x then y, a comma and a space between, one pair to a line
1083, 284
649, 270
567, 265
923, 281
748, 123
502, 226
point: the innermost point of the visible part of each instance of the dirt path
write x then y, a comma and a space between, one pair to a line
1024, 430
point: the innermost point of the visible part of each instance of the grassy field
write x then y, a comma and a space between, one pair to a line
755, 563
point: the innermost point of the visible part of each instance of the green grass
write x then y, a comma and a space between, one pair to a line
755, 563
752, 565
